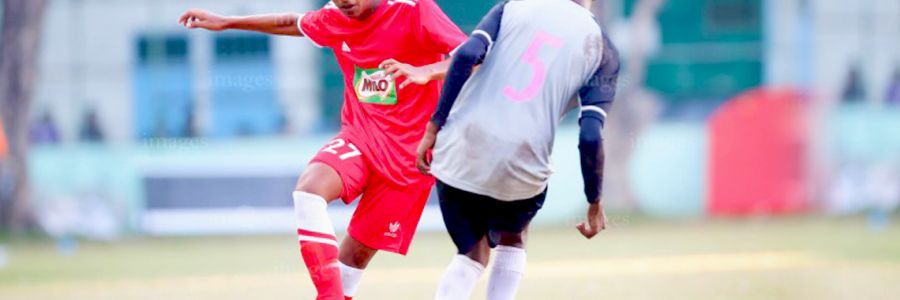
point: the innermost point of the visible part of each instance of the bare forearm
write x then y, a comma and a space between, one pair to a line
438, 70
282, 24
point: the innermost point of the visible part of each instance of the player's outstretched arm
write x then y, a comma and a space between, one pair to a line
409, 74
281, 24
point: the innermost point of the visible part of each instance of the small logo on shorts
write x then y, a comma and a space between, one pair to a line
393, 227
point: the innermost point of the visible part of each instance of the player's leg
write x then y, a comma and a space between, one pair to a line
508, 229
318, 185
468, 230
337, 171
353, 257
385, 219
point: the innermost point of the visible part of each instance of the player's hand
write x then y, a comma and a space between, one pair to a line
596, 221
423, 161
409, 73
198, 18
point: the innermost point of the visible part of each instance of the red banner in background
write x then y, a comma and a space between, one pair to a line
758, 154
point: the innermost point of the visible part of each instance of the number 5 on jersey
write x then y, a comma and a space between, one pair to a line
538, 68
348, 149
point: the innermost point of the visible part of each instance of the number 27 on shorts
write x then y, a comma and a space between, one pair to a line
342, 149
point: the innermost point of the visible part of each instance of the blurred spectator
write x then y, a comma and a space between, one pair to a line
189, 131
44, 132
854, 87
4, 149
893, 94
90, 128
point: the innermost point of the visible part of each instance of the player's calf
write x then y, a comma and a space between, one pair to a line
354, 257
480, 252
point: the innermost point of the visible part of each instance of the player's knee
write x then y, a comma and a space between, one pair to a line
321, 180
308, 185
512, 239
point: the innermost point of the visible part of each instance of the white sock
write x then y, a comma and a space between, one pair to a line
509, 266
313, 223
350, 277
459, 279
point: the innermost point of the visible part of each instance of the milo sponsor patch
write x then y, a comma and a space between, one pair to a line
374, 86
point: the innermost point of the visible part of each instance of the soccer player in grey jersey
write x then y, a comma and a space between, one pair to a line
492, 133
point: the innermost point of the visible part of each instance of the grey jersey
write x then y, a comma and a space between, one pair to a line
498, 138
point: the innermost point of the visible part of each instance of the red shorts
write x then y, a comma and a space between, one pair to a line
387, 215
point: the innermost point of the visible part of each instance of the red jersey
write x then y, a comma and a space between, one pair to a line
385, 122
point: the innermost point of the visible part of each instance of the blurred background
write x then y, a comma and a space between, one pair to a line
753, 152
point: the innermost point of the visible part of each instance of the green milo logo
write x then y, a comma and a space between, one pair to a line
374, 86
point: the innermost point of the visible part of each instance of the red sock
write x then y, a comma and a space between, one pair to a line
321, 261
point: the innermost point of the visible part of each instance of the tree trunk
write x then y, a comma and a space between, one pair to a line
21, 33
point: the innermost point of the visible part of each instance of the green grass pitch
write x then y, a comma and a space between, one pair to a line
797, 258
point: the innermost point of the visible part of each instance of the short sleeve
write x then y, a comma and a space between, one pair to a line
598, 93
489, 27
436, 30
319, 25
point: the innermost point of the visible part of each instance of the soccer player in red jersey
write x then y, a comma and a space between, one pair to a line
392, 54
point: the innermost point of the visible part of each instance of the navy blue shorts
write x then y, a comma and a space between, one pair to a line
469, 216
